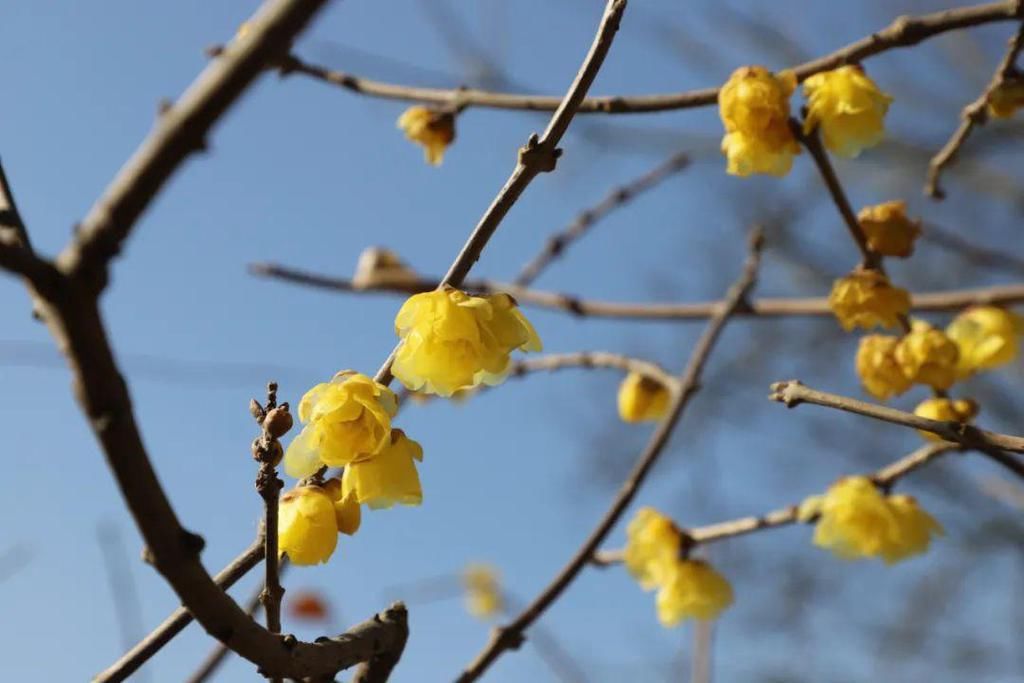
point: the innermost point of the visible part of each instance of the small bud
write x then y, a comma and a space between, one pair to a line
256, 410
278, 421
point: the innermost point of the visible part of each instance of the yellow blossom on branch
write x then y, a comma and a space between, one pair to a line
307, 530
1005, 100
346, 419
347, 512
387, 477
642, 398
927, 356
754, 106
888, 229
848, 108
987, 336
483, 590
865, 298
693, 590
653, 545
916, 528
452, 341
946, 410
880, 374
431, 128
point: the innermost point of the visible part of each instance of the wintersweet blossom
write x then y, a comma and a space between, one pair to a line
387, 477
879, 373
754, 106
307, 530
848, 108
865, 298
927, 356
452, 341
431, 128
346, 419
653, 544
642, 398
1006, 99
987, 336
692, 590
888, 229
347, 512
945, 410
483, 595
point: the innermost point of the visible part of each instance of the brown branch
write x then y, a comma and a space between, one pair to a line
12, 227
377, 669
784, 516
591, 359
16, 255
793, 393
511, 635
617, 198
974, 114
951, 300
969, 250
538, 156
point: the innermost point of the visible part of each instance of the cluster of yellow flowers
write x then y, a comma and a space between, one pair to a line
687, 588
855, 520
483, 594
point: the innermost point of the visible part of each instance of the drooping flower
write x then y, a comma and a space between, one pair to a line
848, 108
307, 530
987, 336
945, 410
431, 128
347, 512
865, 298
692, 590
653, 544
915, 528
754, 106
642, 398
1006, 99
388, 477
452, 341
888, 229
346, 419
880, 374
483, 595
927, 356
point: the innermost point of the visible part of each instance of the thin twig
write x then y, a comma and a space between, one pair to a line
538, 156
971, 251
11, 223
974, 114
592, 359
616, 198
792, 393
951, 300
510, 636
903, 32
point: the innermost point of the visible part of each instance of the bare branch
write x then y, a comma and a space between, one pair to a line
219, 652
592, 359
510, 636
974, 114
12, 227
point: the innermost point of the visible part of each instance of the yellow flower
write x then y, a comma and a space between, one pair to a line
378, 266
347, 513
754, 106
433, 129
914, 529
483, 590
945, 410
642, 398
452, 341
388, 477
693, 590
346, 419
879, 372
888, 229
306, 528
1005, 100
848, 108
653, 544
865, 298
987, 336
927, 356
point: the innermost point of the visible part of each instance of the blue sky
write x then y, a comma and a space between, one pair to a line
308, 175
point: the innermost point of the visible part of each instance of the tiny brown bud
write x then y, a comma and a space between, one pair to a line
278, 421
256, 410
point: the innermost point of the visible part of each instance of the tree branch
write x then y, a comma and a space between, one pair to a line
592, 359
974, 114
510, 636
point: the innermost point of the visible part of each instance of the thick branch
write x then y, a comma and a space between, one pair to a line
903, 32
394, 623
951, 300
510, 636
974, 114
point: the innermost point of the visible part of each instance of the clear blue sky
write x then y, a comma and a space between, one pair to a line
309, 175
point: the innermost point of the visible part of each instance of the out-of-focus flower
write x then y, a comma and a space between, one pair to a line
888, 229
306, 528
988, 337
865, 298
653, 544
642, 398
880, 374
346, 419
378, 266
692, 590
1005, 100
945, 410
483, 590
307, 605
927, 356
388, 477
452, 341
848, 108
754, 106
431, 128
915, 527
